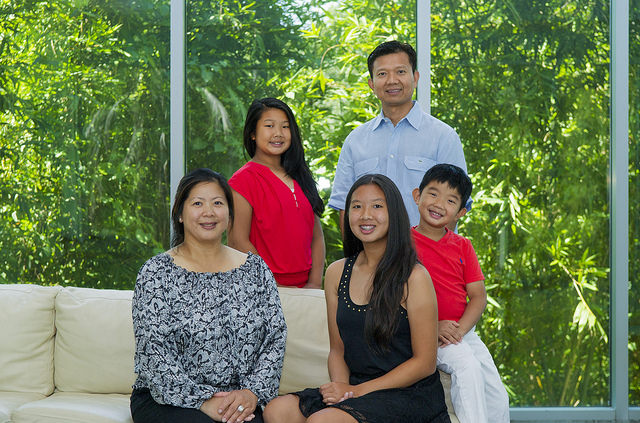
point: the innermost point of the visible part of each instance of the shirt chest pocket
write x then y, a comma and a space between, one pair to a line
365, 167
419, 163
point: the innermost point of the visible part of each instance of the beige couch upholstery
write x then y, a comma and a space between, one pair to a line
66, 354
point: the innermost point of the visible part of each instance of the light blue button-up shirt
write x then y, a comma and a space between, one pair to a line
403, 153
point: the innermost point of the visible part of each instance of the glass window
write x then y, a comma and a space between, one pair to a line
236, 52
634, 199
83, 139
526, 86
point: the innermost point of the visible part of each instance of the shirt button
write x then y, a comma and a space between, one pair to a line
391, 156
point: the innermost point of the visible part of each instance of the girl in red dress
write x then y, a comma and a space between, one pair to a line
277, 204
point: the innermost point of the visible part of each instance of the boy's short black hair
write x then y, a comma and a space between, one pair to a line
452, 175
390, 47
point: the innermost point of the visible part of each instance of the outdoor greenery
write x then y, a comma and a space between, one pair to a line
83, 140
84, 125
528, 92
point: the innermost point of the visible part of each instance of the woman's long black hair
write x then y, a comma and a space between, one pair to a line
293, 159
396, 264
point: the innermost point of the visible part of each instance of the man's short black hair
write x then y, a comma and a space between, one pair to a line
390, 47
454, 176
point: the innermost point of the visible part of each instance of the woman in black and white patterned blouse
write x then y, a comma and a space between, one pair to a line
209, 329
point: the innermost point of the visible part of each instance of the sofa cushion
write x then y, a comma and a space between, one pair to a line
94, 341
69, 407
9, 401
26, 338
305, 359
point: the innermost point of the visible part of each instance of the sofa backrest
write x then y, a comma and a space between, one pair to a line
27, 338
87, 336
305, 359
94, 345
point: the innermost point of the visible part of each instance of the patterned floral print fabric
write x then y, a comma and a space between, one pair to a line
201, 333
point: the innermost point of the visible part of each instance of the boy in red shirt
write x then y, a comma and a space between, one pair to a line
477, 392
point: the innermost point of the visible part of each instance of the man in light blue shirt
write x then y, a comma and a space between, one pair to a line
402, 142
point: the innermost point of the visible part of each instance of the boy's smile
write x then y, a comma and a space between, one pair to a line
438, 204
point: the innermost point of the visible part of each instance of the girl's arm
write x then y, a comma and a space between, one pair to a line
317, 256
338, 370
239, 231
422, 310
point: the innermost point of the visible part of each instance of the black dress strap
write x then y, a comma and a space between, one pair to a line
343, 288
348, 267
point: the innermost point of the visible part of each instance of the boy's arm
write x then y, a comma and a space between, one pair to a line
452, 332
477, 302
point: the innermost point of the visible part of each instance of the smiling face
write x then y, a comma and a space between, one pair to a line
272, 135
205, 214
393, 80
439, 204
368, 214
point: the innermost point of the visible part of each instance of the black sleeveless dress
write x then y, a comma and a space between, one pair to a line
420, 402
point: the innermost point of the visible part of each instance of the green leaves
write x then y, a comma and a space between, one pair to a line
83, 172
524, 83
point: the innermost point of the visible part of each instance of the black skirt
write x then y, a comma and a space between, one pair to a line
421, 402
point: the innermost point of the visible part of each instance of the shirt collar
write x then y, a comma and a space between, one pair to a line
413, 117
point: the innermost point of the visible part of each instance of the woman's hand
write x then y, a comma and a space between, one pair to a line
335, 392
237, 406
227, 406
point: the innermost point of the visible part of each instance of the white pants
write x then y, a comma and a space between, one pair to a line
477, 393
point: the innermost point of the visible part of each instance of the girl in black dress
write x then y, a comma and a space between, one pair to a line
382, 316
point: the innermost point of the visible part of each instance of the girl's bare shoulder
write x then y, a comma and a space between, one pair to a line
333, 273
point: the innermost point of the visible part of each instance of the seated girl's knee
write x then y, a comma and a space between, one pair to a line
317, 418
279, 407
331, 415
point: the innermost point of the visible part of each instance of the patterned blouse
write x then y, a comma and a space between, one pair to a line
201, 333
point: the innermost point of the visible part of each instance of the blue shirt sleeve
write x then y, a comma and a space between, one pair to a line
344, 178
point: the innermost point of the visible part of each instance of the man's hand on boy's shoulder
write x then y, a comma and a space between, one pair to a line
449, 332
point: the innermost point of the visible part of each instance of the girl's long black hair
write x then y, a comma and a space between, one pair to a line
293, 159
396, 264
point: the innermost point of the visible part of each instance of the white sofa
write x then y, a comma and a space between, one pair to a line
66, 354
